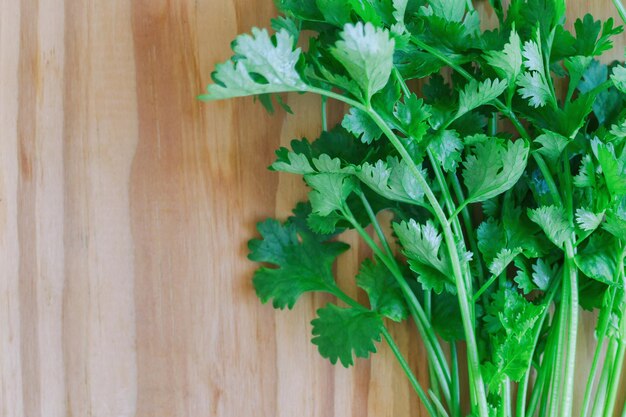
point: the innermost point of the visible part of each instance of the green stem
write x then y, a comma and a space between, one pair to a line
466, 311
620, 9
439, 176
400, 79
336, 96
469, 227
557, 372
547, 175
407, 370
337, 292
450, 206
616, 372
603, 326
506, 388
434, 382
484, 288
438, 405
541, 388
456, 389
431, 342
601, 391
377, 228
381, 236
572, 270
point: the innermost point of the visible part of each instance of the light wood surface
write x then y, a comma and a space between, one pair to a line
125, 207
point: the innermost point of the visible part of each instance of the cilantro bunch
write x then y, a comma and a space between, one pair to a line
501, 156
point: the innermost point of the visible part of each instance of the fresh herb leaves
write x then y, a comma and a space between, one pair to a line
551, 184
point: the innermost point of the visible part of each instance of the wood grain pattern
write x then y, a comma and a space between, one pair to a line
125, 207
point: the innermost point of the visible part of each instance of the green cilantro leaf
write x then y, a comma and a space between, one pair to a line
447, 147
330, 191
392, 180
399, 11
514, 345
422, 244
576, 67
477, 94
302, 9
599, 259
295, 163
370, 11
451, 11
619, 78
301, 265
534, 84
491, 239
367, 54
382, 289
587, 31
586, 176
502, 260
493, 168
336, 12
523, 278
508, 62
543, 274
535, 88
361, 125
554, 223
614, 169
325, 163
413, 114
257, 55
342, 333
553, 145
588, 220
616, 223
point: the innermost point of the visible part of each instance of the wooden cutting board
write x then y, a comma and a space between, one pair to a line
125, 207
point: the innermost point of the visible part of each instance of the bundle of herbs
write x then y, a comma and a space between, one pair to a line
504, 169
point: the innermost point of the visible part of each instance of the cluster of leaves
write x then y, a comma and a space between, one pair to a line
503, 229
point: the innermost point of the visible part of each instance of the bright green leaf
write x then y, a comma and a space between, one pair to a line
361, 125
367, 54
554, 223
257, 54
493, 168
508, 62
502, 260
543, 274
422, 245
330, 191
477, 94
588, 220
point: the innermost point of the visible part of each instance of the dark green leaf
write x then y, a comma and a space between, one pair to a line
300, 265
382, 289
343, 333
